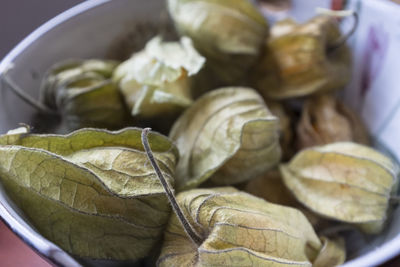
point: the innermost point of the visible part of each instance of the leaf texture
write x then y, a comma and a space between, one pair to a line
325, 120
238, 230
83, 94
229, 33
270, 187
228, 136
332, 253
344, 181
297, 60
155, 81
91, 192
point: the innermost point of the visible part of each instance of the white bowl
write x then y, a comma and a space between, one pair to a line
90, 30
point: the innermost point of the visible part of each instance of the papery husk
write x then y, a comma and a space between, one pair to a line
274, 8
286, 132
238, 230
325, 119
81, 92
228, 136
344, 181
270, 186
229, 33
333, 252
155, 81
298, 60
90, 192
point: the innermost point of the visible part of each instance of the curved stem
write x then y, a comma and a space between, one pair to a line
343, 39
341, 14
25, 97
190, 231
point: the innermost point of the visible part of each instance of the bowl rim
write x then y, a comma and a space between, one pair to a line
56, 256
46, 27
29, 236
375, 257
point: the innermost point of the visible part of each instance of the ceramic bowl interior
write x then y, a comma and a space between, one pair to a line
108, 29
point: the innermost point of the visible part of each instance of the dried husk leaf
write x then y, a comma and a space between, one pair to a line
297, 60
333, 253
344, 181
90, 192
83, 94
155, 81
286, 131
270, 186
229, 33
274, 8
284, 27
238, 230
326, 120
228, 136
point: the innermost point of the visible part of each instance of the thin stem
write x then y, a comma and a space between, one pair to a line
190, 231
343, 39
25, 97
341, 14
